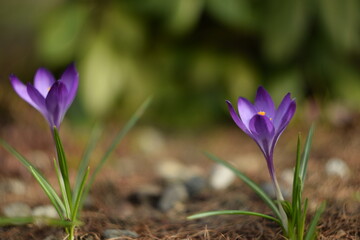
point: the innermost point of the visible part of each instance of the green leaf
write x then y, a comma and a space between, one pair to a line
48, 189
62, 34
63, 165
234, 13
311, 233
296, 189
341, 21
249, 182
84, 164
284, 24
232, 212
4, 221
128, 126
77, 203
184, 16
301, 220
306, 153
63, 190
287, 208
109, 80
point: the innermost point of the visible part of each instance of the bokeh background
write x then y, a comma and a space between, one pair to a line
190, 55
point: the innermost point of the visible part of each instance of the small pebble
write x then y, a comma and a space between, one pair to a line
195, 185
52, 237
269, 189
173, 194
287, 176
170, 169
337, 167
118, 233
146, 194
17, 209
150, 141
173, 170
90, 236
12, 186
221, 177
45, 211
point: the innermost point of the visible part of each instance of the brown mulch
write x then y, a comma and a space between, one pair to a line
113, 207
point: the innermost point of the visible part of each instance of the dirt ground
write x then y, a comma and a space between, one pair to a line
134, 165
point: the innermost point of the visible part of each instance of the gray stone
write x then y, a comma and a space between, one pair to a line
54, 237
337, 167
17, 209
45, 211
51, 237
173, 170
12, 186
173, 194
118, 234
91, 236
269, 189
287, 176
146, 194
170, 169
195, 185
150, 141
221, 177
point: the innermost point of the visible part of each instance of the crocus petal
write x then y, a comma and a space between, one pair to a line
261, 126
236, 118
264, 102
286, 117
71, 80
56, 103
43, 81
263, 131
246, 111
37, 99
284, 113
21, 89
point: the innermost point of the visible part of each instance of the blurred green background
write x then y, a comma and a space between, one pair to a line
190, 54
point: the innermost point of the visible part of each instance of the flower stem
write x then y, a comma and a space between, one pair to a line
71, 232
280, 198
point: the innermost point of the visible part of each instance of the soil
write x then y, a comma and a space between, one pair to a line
132, 166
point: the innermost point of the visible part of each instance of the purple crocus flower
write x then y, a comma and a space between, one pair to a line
52, 98
264, 123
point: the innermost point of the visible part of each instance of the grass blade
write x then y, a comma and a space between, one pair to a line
232, 212
63, 165
296, 179
306, 153
301, 220
63, 190
48, 189
249, 182
77, 203
84, 164
128, 126
311, 233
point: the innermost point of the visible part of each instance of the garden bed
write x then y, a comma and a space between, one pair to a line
114, 202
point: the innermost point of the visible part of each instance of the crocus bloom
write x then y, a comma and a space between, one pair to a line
264, 123
50, 97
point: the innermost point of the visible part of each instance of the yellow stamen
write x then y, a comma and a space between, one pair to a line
262, 113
